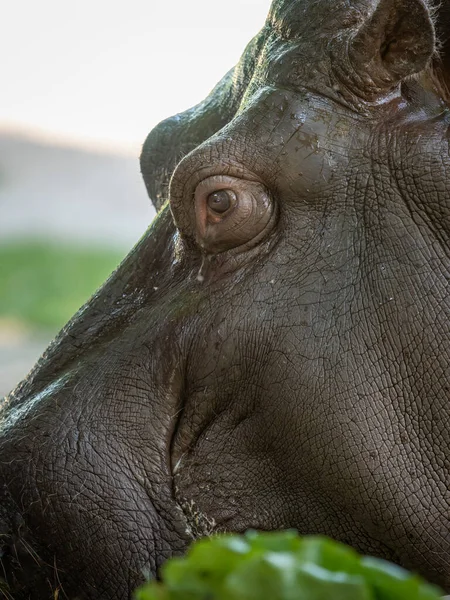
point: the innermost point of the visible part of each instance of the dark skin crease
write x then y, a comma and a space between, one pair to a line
279, 362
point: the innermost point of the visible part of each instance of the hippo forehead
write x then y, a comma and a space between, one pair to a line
306, 42
297, 35
308, 19
315, 18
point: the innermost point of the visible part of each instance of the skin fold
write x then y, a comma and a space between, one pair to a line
274, 351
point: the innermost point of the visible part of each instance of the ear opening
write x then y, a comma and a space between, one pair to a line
176, 136
396, 41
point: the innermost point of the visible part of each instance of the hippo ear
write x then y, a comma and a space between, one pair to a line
175, 137
396, 40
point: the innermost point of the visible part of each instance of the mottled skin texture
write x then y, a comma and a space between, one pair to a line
284, 365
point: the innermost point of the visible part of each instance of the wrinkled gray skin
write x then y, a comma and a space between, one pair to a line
282, 364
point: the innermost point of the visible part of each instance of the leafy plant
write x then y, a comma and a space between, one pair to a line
282, 566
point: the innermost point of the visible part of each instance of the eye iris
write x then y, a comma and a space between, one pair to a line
219, 201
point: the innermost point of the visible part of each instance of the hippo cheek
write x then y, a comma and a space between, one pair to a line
288, 445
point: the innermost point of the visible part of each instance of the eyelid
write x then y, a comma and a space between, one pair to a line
244, 224
189, 174
217, 183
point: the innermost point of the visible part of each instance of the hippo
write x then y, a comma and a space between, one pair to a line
274, 352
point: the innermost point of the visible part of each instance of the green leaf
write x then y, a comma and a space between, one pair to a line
282, 566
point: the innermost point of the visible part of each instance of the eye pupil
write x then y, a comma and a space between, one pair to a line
219, 201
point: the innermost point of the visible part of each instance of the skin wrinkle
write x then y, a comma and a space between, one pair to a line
441, 236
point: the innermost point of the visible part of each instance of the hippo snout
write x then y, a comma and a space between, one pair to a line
82, 500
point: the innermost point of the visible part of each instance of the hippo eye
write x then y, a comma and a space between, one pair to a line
231, 213
221, 201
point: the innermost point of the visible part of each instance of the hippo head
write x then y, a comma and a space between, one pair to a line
274, 352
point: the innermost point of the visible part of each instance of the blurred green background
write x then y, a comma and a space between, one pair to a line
43, 284
68, 216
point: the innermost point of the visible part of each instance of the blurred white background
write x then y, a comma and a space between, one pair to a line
82, 85
97, 76
105, 72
